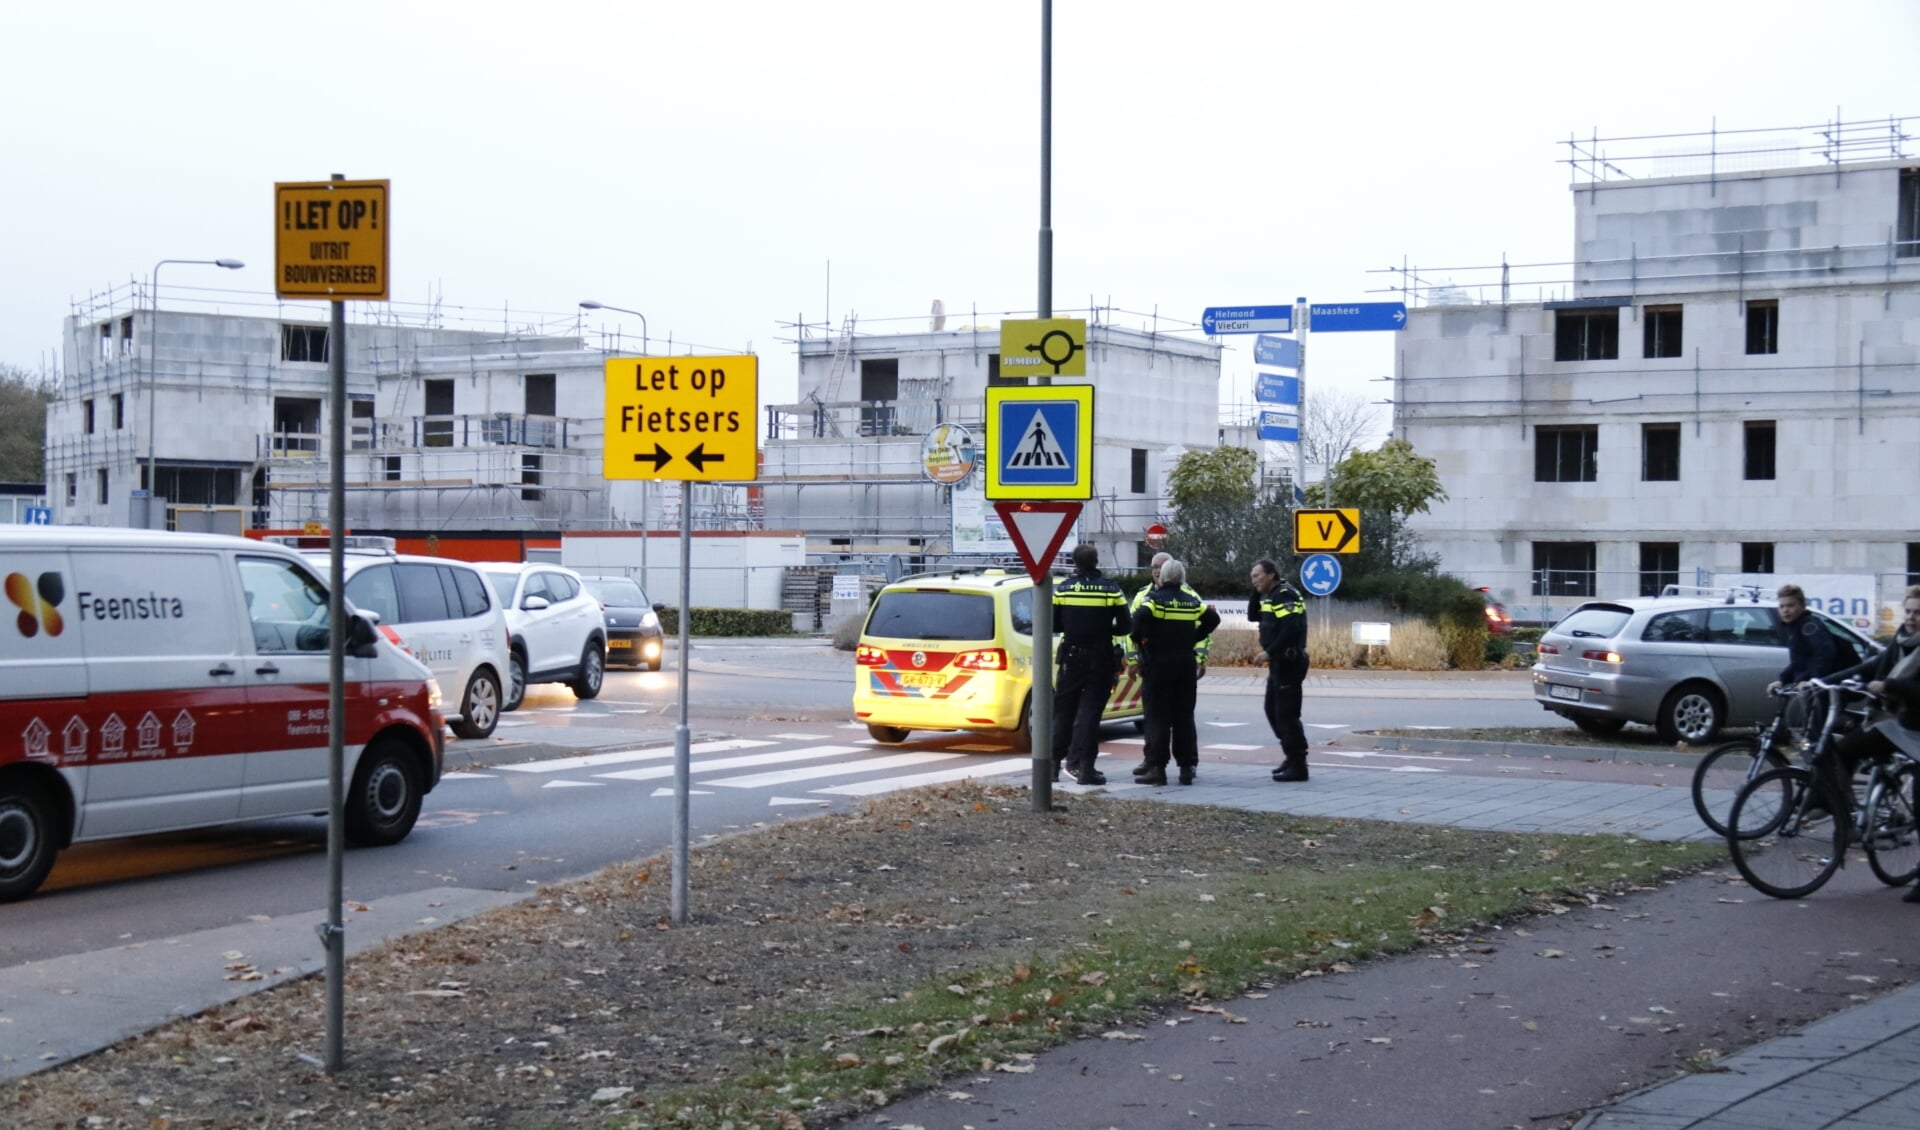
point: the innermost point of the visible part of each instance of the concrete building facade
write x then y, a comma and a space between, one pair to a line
1727, 382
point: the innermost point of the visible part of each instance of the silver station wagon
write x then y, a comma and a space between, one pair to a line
1686, 663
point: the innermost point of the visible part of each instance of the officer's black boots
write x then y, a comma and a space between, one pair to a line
1291, 770
1186, 774
1157, 777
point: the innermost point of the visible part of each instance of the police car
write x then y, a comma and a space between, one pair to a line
954, 651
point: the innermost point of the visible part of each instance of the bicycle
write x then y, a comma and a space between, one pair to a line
1728, 767
1787, 836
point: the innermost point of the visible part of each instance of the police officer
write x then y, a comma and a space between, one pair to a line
1167, 626
1201, 648
1281, 615
1089, 610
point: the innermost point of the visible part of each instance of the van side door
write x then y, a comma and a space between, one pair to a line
287, 687
169, 731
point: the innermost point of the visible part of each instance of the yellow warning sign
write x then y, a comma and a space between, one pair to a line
1043, 347
1326, 531
330, 239
686, 418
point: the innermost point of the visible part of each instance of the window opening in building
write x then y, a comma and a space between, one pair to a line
1659, 566
119, 411
1660, 453
391, 471
1763, 326
73, 488
540, 428
1760, 442
437, 426
1563, 568
86, 415
296, 425
360, 423
1660, 328
879, 390
1913, 562
126, 336
305, 344
100, 480
1586, 335
1139, 484
106, 341
1565, 454
1756, 557
529, 477
1907, 237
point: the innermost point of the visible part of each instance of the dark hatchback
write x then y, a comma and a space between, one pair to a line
633, 624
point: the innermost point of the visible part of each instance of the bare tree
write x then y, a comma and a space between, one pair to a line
1335, 425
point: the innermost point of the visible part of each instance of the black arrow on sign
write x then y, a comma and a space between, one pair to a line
659, 458
1347, 535
699, 457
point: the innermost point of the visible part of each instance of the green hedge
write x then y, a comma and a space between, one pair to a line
730, 622
1528, 635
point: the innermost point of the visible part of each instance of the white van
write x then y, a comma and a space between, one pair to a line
151, 682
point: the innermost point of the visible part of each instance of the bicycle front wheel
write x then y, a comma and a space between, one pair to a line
1782, 843
1723, 772
1892, 833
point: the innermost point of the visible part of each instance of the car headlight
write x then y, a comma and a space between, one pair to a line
650, 622
434, 698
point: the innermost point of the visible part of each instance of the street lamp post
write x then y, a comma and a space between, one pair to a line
153, 365
645, 518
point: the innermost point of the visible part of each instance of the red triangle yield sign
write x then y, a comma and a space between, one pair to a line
1038, 526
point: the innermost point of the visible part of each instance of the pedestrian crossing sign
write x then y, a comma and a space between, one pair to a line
1039, 442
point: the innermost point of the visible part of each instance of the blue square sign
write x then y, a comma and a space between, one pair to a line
1039, 442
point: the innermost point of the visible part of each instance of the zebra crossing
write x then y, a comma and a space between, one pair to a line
807, 763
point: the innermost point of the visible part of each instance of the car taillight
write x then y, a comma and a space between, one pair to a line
986, 659
1547, 649
1495, 615
868, 656
1602, 656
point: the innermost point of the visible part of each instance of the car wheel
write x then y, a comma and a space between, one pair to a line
1597, 726
1021, 738
593, 672
1691, 713
479, 707
516, 681
887, 735
385, 798
27, 838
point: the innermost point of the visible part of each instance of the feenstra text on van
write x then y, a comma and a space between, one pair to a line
152, 606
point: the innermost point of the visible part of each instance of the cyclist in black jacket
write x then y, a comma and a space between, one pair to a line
1811, 650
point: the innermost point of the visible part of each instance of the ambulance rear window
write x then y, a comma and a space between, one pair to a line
932, 616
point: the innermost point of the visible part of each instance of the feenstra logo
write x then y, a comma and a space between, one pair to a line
38, 603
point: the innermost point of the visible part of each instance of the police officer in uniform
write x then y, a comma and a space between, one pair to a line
1201, 648
1281, 615
1167, 626
1089, 610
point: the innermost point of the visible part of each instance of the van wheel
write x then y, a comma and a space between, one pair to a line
887, 735
1021, 738
593, 672
516, 681
385, 798
26, 840
479, 707
1690, 713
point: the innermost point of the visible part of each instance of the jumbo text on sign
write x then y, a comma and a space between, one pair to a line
331, 239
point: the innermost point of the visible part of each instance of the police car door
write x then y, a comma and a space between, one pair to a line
431, 629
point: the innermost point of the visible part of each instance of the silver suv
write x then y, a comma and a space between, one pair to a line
557, 631
1686, 663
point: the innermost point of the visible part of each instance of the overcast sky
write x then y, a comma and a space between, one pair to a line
703, 161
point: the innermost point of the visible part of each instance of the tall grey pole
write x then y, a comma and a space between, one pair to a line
682, 735
1041, 727
333, 935
1300, 311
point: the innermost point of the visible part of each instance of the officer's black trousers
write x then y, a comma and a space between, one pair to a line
1283, 714
1170, 690
1079, 698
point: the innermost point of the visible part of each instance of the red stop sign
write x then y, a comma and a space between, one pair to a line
1156, 536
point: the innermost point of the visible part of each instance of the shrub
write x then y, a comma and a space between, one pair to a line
1418, 646
1330, 644
1234, 648
730, 622
1499, 649
1527, 635
1466, 645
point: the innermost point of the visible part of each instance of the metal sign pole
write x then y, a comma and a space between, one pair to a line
333, 934
1040, 728
1300, 408
682, 735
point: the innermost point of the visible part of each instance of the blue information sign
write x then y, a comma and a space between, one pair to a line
1247, 319
1280, 352
38, 516
1281, 426
1046, 453
1320, 574
1273, 388
1357, 317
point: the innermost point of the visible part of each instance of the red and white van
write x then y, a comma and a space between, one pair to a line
151, 682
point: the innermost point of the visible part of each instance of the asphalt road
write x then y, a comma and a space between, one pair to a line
498, 828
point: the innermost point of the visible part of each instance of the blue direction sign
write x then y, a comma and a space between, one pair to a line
1281, 426
1247, 320
1280, 352
1273, 388
38, 516
1320, 574
1357, 317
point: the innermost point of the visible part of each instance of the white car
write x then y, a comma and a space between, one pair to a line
444, 613
557, 632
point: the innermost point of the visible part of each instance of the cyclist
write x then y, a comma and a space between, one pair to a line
1895, 675
1811, 651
